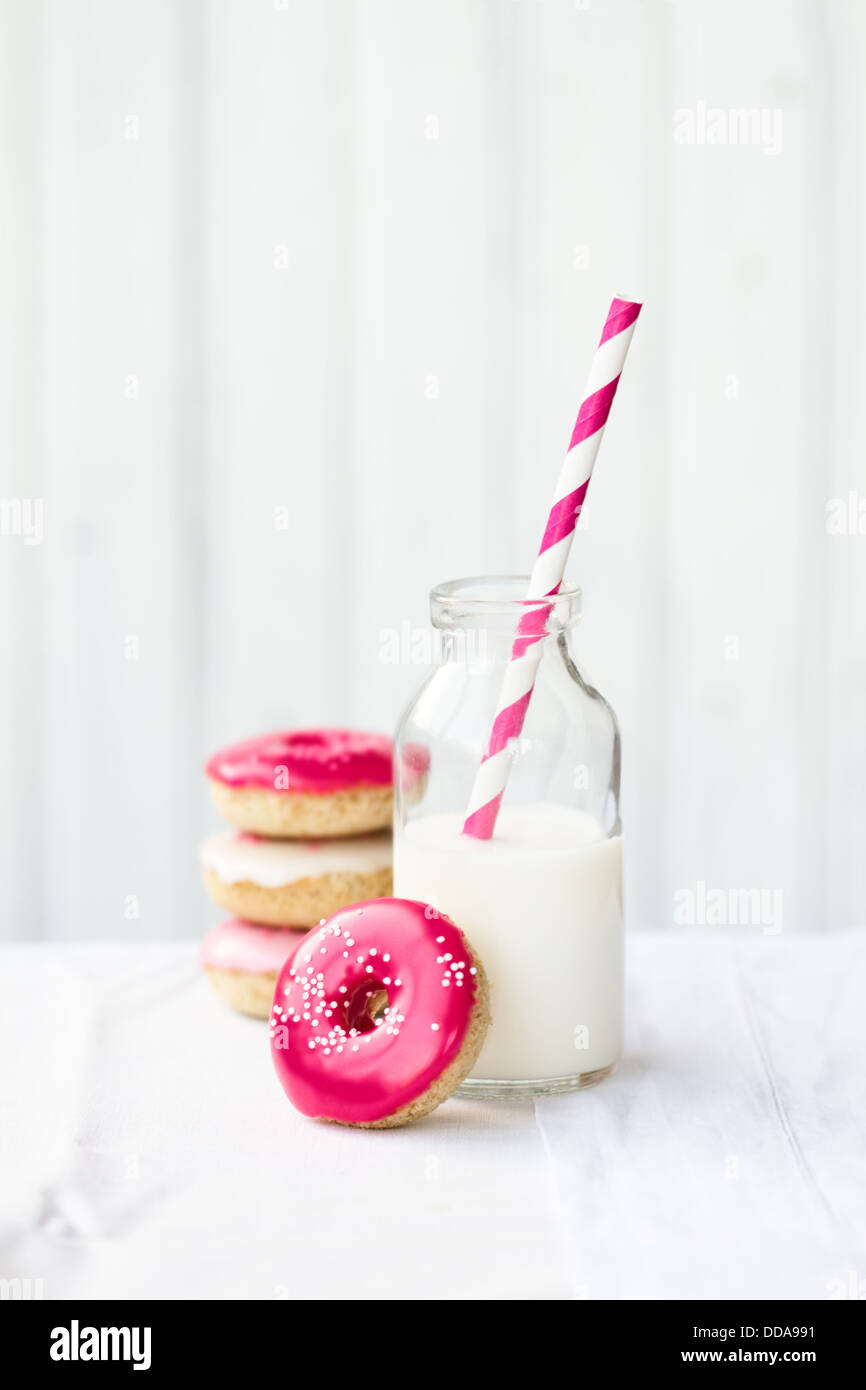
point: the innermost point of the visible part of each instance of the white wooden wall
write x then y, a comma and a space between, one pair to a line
296, 304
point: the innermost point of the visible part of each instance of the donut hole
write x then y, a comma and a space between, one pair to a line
377, 1006
366, 1006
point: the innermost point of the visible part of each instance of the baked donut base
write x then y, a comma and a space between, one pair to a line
302, 815
243, 990
301, 904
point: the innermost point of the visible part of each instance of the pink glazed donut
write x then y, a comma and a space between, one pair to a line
305, 783
379, 1015
242, 962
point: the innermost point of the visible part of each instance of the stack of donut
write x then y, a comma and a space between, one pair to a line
310, 811
378, 1006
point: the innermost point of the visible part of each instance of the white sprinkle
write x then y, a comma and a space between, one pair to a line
398, 982
440, 939
311, 1043
435, 1027
373, 951
386, 956
386, 980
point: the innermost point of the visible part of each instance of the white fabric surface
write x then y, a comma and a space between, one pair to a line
147, 1150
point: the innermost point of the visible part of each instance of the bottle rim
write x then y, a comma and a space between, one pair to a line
487, 596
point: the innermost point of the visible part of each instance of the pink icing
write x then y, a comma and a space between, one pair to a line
313, 761
237, 945
332, 1060
415, 762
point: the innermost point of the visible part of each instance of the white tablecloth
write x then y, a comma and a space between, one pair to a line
148, 1151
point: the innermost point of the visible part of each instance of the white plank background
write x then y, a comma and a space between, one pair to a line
296, 303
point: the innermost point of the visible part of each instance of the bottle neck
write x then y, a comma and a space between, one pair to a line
481, 648
488, 620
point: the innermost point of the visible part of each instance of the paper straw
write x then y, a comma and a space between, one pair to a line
607, 365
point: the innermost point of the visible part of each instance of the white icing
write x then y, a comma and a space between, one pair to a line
236, 858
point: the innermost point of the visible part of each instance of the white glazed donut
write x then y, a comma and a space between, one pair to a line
294, 883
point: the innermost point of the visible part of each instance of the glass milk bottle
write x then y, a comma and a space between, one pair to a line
540, 901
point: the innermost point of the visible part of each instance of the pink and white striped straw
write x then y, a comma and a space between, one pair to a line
547, 576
